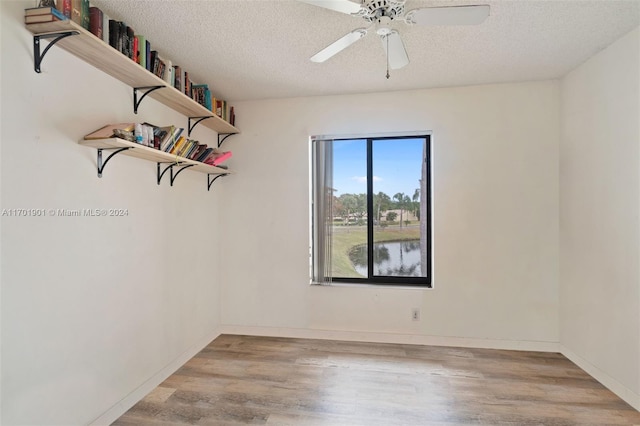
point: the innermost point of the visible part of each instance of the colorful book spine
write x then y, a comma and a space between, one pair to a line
168, 75
95, 22
76, 11
123, 39
136, 50
130, 42
148, 54
177, 83
142, 53
85, 14
219, 158
64, 6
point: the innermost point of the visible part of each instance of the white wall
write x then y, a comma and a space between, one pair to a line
599, 217
93, 308
495, 168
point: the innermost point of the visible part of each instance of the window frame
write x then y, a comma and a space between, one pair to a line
395, 281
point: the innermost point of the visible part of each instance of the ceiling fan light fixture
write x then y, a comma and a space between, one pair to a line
394, 49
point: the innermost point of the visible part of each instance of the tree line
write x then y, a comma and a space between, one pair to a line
355, 205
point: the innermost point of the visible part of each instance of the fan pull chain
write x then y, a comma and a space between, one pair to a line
387, 37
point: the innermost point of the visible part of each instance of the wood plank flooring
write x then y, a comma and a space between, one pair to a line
279, 381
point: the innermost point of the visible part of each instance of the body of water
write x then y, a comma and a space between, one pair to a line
390, 259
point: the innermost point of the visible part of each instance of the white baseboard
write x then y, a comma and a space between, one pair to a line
130, 400
411, 339
631, 397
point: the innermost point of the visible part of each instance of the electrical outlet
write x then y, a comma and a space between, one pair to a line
415, 314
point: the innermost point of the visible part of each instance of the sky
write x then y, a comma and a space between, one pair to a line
397, 166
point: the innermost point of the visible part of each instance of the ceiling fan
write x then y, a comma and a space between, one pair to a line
380, 14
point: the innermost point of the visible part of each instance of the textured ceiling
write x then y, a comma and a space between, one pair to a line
260, 49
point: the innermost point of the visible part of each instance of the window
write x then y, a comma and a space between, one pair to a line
371, 208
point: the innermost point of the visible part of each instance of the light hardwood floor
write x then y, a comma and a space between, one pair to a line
278, 381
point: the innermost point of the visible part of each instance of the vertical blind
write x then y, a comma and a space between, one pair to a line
322, 208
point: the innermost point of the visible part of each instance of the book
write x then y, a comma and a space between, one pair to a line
64, 6
198, 151
76, 11
33, 19
202, 95
109, 130
105, 27
130, 42
123, 39
217, 157
162, 69
114, 33
154, 61
44, 11
194, 148
136, 48
148, 53
95, 22
167, 138
186, 146
171, 139
159, 134
198, 92
165, 133
85, 14
207, 99
177, 83
189, 150
168, 73
187, 84
142, 52
180, 145
38, 11
204, 154
177, 147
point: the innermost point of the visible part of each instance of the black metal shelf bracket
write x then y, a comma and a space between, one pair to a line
198, 120
136, 101
225, 136
102, 164
210, 181
169, 167
37, 56
172, 175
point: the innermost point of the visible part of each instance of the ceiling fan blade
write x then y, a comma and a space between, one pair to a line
339, 45
343, 6
454, 15
397, 54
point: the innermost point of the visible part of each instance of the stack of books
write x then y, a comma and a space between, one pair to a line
43, 14
89, 18
168, 139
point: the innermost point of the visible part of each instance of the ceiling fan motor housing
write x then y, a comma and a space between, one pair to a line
377, 9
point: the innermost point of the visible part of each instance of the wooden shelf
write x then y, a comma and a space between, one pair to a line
151, 154
101, 55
